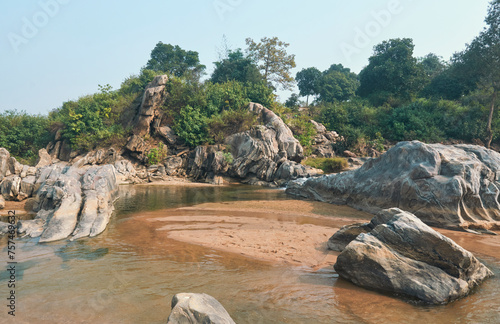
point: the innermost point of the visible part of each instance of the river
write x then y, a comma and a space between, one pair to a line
130, 273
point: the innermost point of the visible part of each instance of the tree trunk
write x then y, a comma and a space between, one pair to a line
307, 101
490, 118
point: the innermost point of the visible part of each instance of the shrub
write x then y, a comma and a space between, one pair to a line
230, 122
191, 126
156, 155
328, 165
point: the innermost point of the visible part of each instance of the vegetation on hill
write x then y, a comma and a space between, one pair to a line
396, 97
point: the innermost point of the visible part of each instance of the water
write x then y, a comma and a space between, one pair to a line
130, 272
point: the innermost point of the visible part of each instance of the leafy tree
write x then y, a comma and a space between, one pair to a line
191, 126
274, 62
337, 83
175, 61
307, 82
432, 64
293, 102
481, 62
236, 67
392, 72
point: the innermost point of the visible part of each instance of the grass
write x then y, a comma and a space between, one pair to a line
328, 165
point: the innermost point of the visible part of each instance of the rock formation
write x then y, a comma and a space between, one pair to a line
453, 186
153, 98
402, 255
197, 309
324, 141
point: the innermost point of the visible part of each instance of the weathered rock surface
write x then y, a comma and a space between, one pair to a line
454, 186
324, 141
197, 309
2, 202
403, 255
4, 228
208, 162
153, 98
4, 163
70, 200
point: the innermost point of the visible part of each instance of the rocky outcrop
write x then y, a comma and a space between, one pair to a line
197, 309
324, 141
453, 186
4, 163
209, 162
402, 255
153, 98
71, 201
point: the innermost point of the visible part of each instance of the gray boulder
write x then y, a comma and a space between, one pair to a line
208, 162
197, 309
4, 163
44, 159
2, 202
153, 98
453, 186
4, 228
402, 255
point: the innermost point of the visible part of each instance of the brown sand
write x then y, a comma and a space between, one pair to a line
291, 232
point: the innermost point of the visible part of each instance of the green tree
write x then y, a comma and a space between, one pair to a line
175, 61
307, 82
236, 67
273, 61
191, 126
392, 72
481, 62
432, 65
337, 83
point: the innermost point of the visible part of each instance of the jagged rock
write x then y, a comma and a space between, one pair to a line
349, 154
136, 144
346, 234
4, 228
2, 202
174, 165
65, 152
100, 189
44, 159
197, 309
283, 136
320, 128
453, 186
168, 134
14, 166
402, 255
324, 150
208, 162
4, 162
153, 98
10, 187
125, 172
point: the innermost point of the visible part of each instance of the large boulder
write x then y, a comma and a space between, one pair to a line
208, 162
454, 186
197, 309
4, 163
153, 98
402, 255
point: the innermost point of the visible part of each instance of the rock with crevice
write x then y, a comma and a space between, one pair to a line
153, 98
197, 309
402, 255
4, 163
450, 186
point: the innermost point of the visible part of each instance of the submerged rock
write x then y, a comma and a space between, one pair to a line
197, 309
403, 255
454, 186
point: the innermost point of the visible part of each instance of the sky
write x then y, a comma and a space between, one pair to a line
52, 51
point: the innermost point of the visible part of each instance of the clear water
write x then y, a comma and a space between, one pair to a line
130, 273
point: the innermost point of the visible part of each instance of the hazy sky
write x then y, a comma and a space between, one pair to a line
57, 50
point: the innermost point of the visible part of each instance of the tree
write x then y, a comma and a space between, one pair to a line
293, 101
481, 61
432, 65
273, 61
337, 83
307, 82
176, 61
236, 67
392, 72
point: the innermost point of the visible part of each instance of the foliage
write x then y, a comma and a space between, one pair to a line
136, 84
236, 67
337, 83
432, 65
190, 124
156, 155
392, 72
175, 61
230, 122
230, 95
293, 101
307, 81
23, 134
228, 157
274, 62
303, 130
328, 165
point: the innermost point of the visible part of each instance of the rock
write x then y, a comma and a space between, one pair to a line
402, 255
4, 162
450, 186
153, 98
4, 228
168, 134
197, 309
208, 162
349, 154
125, 172
10, 187
2, 202
14, 166
174, 165
44, 159
65, 152
320, 128
346, 234
137, 146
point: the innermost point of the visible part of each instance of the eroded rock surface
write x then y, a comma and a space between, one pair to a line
453, 186
197, 309
403, 255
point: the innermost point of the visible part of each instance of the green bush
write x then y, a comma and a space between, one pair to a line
303, 130
328, 165
230, 122
156, 155
191, 126
23, 134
